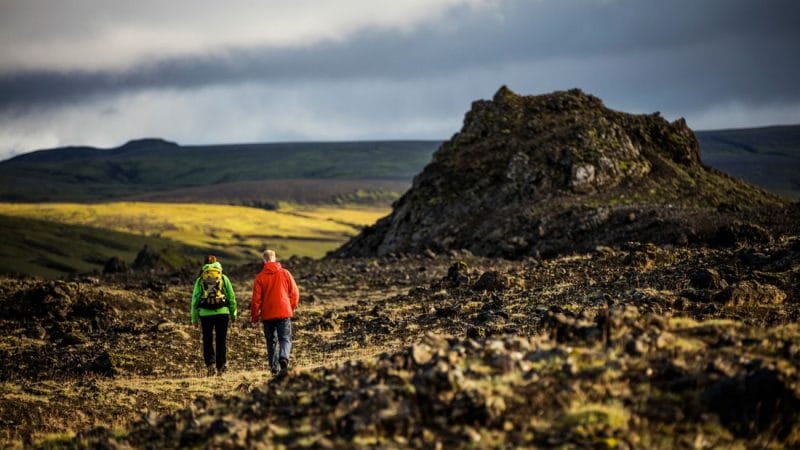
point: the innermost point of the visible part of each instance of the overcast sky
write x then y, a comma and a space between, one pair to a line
100, 72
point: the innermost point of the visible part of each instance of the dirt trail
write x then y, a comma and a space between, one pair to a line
89, 353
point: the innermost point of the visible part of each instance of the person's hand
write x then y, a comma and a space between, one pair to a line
196, 324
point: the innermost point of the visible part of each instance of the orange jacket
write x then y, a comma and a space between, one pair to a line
275, 294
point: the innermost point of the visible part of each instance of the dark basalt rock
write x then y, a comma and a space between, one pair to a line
737, 233
115, 264
147, 259
707, 279
558, 173
102, 365
760, 401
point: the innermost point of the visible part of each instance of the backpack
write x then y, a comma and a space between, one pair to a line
213, 293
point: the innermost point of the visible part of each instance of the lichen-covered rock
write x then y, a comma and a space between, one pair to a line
493, 280
751, 293
553, 174
738, 233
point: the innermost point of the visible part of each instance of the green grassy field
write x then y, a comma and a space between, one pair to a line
50, 249
51, 239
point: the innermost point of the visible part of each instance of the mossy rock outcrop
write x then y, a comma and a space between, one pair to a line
557, 173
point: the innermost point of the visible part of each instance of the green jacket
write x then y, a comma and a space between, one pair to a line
229, 294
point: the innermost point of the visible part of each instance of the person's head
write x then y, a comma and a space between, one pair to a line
210, 259
269, 256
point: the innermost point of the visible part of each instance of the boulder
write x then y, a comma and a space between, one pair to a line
115, 264
739, 233
707, 279
492, 281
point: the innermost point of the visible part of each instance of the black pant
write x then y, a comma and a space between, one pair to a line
218, 322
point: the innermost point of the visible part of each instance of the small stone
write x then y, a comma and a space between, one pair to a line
36, 331
457, 274
492, 281
722, 366
637, 346
707, 279
472, 434
421, 354
665, 340
569, 368
103, 365
165, 326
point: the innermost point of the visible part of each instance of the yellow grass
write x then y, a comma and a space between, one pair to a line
353, 216
306, 231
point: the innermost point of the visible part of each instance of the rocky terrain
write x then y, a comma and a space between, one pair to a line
631, 347
553, 174
600, 315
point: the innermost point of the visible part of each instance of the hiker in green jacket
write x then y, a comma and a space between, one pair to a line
214, 303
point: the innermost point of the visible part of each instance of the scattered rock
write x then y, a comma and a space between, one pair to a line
751, 293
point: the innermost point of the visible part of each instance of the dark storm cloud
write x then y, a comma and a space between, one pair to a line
687, 53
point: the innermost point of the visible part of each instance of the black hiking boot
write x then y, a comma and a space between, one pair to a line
221, 370
284, 367
210, 370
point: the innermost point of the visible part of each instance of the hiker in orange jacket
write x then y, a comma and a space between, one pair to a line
275, 298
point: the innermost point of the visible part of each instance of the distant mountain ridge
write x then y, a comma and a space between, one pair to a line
767, 156
92, 153
150, 166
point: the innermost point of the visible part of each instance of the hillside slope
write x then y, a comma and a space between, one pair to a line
31, 247
58, 239
153, 165
768, 157
558, 173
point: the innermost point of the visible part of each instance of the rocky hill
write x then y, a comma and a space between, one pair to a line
558, 173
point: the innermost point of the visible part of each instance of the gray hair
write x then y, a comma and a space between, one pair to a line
269, 255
